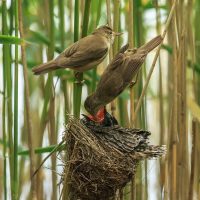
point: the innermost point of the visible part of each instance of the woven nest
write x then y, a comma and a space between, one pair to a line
101, 160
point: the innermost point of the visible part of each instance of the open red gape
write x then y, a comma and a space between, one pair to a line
99, 117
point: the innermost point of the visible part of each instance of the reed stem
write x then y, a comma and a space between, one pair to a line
27, 103
154, 61
8, 93
15, 180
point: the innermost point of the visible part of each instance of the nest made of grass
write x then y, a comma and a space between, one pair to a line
94, 169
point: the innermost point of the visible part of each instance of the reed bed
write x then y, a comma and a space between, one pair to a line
35, 109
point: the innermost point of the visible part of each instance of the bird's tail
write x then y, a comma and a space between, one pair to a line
45, 67
149, 46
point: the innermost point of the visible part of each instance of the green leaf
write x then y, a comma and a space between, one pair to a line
7, 39
40, 150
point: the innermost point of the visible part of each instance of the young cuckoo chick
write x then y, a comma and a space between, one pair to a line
117, 76
84, 54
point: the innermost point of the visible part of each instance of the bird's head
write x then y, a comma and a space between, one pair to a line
96, 110
107, 32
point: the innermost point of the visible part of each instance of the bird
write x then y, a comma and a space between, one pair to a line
126, 140
117, 76
108, 120
84, 54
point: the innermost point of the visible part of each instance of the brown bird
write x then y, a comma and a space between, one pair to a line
117, 76
84, 54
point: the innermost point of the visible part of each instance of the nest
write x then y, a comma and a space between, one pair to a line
101, 160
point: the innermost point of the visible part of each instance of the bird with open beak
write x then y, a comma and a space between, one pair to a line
84, 54
117, 76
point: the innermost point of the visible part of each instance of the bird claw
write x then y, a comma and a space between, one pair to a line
132, 83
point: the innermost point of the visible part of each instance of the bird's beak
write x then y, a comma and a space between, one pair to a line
99, 117
117, 34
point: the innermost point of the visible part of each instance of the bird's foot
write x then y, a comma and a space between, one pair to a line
132, 83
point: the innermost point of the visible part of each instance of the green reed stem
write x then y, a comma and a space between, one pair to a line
94, 72
76, 20
62, 44
116, 25
16, 108
76, 37
4, 77
27, 102
8, 92
79, 77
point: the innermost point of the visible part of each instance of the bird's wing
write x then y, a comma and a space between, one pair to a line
132, 65
84, 51
83, 57
116, 63
109, 87
111, 82
71, 50
149, 46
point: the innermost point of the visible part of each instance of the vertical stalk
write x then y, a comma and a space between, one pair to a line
27, 103
116, 20
77, 86
94, 71
138, 34
4, 77
15, 192
8, 92
116, 25
193, 160
79, 76
131, 45
162, 163
4, 132
62, 44
182, 147
174, 133
53, 136
196, 83
76, 20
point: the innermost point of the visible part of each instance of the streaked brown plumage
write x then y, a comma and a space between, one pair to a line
84, 54
118, 75
126, 140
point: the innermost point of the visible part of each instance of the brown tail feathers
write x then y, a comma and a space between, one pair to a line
45, 67
149, 46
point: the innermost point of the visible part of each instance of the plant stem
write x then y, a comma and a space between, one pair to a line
131, 45
28, 114
8, 92
154, 61
116, 20
15, 192
5, 66
76, 37
53, 135
94, 71
79, 76
62, 44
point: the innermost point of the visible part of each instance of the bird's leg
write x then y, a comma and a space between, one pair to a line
132, 83
77, 76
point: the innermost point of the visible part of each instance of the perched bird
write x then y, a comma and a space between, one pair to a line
126, 140
117, 76
84, 54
